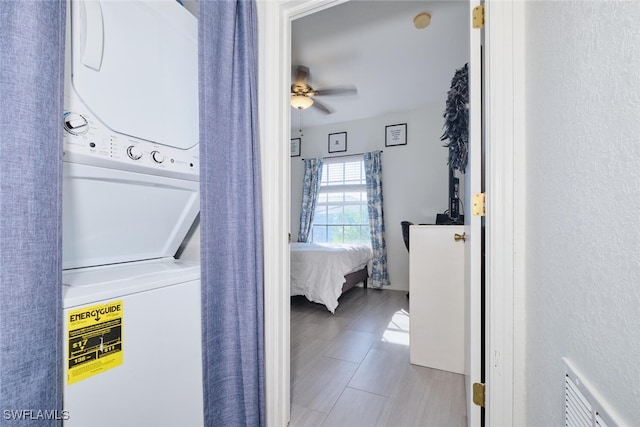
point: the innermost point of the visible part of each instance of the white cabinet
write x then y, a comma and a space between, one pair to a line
437, 297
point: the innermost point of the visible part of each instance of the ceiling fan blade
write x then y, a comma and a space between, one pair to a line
346, 90
320, 106
302, 74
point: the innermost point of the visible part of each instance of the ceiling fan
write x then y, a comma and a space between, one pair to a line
302, 93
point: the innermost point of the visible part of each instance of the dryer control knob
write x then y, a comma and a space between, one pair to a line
134, 152
75, 124
157, 156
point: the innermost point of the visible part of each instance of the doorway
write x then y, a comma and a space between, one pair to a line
421, 63
504, 90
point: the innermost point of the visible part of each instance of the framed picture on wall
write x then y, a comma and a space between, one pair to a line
395, 135
295, 147
337, 142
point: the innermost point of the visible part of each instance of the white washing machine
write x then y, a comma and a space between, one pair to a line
134, 357
132, 334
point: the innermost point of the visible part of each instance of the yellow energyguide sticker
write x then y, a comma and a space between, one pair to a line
95, 340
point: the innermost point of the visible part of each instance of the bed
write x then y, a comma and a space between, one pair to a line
322, 272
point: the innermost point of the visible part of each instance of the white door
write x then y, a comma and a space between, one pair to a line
474, 228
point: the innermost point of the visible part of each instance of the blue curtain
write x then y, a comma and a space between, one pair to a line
230, 227
31, 108
373, 169
310, 191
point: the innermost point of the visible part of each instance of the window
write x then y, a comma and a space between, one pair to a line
341, 212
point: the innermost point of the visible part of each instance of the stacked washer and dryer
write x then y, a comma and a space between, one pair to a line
132, 334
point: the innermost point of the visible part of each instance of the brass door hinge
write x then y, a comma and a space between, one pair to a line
478, 394
478, 16
479, 204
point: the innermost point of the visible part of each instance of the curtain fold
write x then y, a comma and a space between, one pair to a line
373, 169
310, 192
231, 219
31, 108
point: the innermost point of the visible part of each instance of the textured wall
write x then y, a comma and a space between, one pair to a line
583, 182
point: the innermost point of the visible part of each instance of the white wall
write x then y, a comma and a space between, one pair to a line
583, 182
415, 176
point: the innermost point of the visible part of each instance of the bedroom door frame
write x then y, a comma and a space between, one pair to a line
474, 271
504, 128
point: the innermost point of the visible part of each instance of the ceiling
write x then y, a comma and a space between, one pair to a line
374, 45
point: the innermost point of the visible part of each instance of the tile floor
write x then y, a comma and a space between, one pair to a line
351, 368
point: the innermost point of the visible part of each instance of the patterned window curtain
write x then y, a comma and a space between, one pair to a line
31, 109
373, 169
310, 191
230, 217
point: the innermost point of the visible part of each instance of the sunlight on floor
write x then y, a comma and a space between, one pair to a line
398, 329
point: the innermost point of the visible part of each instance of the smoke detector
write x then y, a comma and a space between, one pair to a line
422, 20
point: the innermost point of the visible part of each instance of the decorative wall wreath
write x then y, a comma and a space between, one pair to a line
456, 124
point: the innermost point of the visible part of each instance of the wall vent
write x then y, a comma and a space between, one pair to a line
583, 407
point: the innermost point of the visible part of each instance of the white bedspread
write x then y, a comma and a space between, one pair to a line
318, 270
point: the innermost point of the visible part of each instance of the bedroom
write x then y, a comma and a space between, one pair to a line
401, 87
391, 62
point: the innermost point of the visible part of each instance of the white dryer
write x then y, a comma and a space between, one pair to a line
132, 334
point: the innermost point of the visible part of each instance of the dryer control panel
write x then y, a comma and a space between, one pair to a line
88, 141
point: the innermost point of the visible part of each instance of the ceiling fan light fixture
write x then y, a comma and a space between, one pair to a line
301, 102
422, 20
